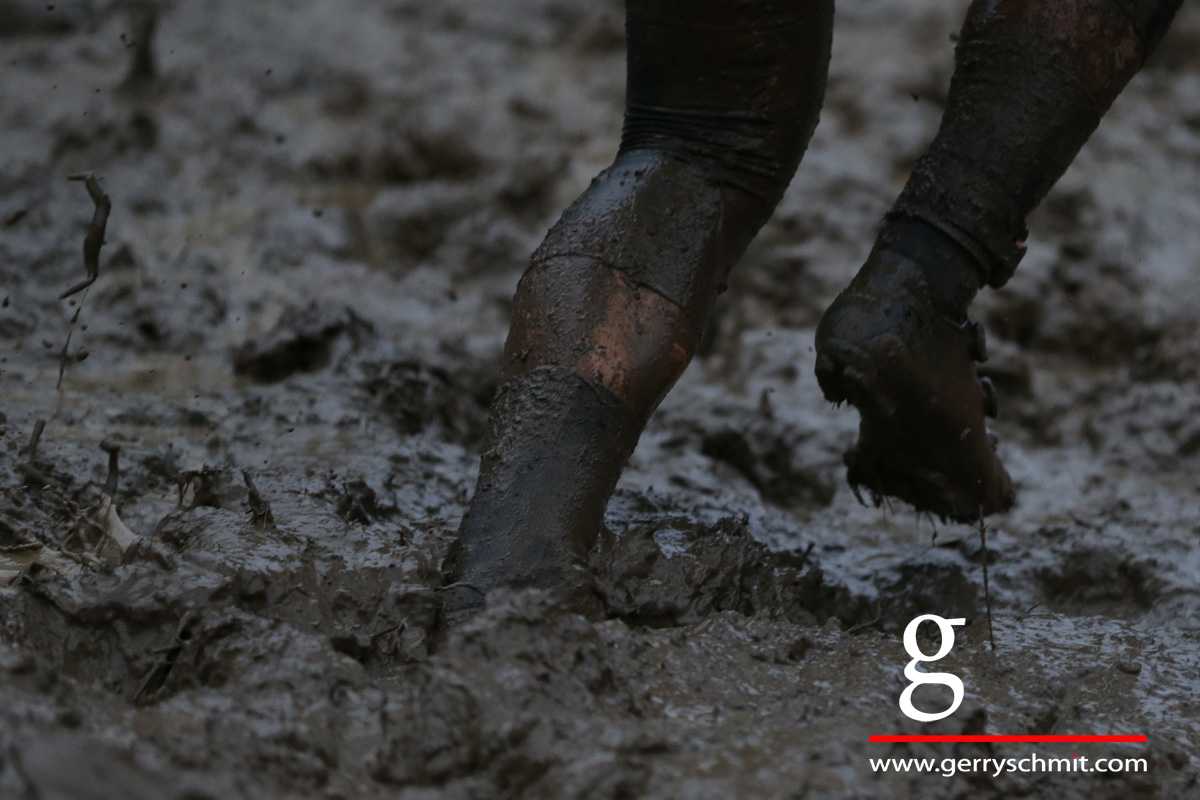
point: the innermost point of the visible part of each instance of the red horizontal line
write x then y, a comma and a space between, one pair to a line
1036, 738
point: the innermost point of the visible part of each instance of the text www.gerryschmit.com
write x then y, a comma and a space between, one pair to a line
950, 767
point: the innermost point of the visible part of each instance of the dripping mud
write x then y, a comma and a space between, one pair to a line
319, 216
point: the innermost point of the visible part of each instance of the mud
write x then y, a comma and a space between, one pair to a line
365, 182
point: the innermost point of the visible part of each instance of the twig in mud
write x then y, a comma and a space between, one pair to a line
461, 585
95, 535
1028, 611
157, 676
24, 547
260, 509
987, 590
30, 449
30, 474
94, 239
804, 556
105, 518
63, 356
110, 481
92, 242
878, 616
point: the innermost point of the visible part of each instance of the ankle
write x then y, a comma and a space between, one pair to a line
953, 275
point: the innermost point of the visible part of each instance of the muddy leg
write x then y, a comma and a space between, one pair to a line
722, 97
1031, 82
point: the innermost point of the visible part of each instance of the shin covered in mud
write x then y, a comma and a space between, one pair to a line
722, 98
1032, 80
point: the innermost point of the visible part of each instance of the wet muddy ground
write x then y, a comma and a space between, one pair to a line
320, 211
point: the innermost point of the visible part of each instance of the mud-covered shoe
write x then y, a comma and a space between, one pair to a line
886, 347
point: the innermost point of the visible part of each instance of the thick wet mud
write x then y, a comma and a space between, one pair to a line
320, 213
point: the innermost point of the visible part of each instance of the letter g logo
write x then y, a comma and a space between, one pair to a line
918, 678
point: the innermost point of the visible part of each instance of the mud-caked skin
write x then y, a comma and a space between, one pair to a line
1032, 80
